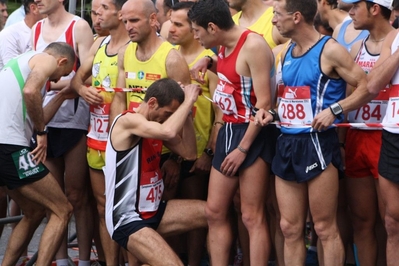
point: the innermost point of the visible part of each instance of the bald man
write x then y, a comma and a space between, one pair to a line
144, 60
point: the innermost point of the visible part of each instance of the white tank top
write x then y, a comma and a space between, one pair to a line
73, 113
393, 103
16, 125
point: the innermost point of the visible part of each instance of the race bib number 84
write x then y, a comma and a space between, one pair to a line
25, 165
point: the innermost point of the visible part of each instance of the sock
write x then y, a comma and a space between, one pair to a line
84, 263
62, 262
312, 248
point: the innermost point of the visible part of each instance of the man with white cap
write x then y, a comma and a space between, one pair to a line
386, 71
362, 145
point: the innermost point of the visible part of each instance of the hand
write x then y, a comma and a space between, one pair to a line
199, 69
171, 173
68, 93
263, 117
91, 95
40, 152
191, 92
202, 165
232, 162
323, 120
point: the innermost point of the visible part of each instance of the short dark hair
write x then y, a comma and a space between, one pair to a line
27, 3
63, 49
169, 4
3, 2
308, 8
184, 6
332, 3
395, 4
216, 11
118, 3
165, 91
385, 12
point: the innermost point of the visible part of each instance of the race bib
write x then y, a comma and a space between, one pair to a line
223, 97
392, 113
372, 112
151, 189
24, 164
295, 107
99, 118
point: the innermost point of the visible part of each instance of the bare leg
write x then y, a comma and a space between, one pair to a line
110, 247
323, 203
362, 199
195, 187
220, 194
293, 205
180, 216
253, 186
47, 193
390, 198
3, 206
77, 191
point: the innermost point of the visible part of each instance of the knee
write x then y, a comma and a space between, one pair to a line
214, 214
78, 199
291, 230
325, 230
252, 219
391, 225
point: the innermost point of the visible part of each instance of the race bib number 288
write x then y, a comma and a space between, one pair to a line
25, 165
295, 106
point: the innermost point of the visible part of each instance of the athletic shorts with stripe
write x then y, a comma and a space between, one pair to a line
302, 157
230, 136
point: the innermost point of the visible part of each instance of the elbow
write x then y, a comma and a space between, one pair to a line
373, 89
170, 135
29, 93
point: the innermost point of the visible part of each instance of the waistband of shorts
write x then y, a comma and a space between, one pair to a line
328, 132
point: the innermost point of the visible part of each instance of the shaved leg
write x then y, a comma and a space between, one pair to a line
47, 193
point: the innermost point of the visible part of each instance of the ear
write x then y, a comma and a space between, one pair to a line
62, 61
297, 17
153, 19
212, 28
152, 103
120, 15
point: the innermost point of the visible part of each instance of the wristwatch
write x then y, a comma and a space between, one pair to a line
209, 152
274, 114
41, 133
336, 109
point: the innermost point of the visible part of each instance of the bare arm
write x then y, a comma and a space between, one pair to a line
385, 67
90, 94
42, 65
119, 101
52, 107
176, 67
259, 64
258, 60
346, 68
84, 39
137, 125
182, 144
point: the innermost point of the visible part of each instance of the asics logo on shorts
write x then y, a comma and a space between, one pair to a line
310, 167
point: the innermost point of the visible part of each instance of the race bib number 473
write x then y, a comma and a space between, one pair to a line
25, 165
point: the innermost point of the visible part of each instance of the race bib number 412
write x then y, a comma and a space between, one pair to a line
25, 165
